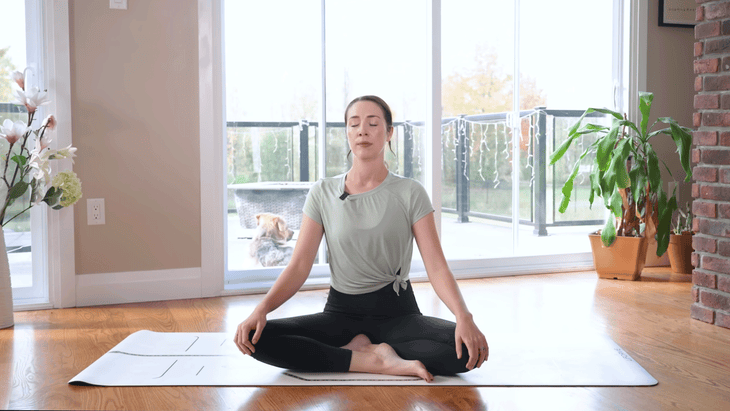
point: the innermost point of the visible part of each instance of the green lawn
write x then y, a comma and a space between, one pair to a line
499, 202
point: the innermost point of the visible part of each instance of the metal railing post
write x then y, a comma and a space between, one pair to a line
303, 150
540, 170
407, 150
462, 170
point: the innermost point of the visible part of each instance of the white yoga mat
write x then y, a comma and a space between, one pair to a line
148, 358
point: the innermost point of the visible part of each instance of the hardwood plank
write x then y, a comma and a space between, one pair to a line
649, 319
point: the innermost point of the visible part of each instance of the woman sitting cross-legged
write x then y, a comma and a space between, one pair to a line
371, 322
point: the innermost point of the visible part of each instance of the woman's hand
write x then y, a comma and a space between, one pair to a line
288, 283
468, 333
255, 321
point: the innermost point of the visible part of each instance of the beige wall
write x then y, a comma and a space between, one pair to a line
670, 76
134, 96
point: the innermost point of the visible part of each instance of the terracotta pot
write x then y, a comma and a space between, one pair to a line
652, 260
623, 260
680, 253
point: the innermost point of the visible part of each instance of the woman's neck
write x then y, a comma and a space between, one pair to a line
365, 177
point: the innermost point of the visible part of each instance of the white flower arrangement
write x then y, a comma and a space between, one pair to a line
32, 168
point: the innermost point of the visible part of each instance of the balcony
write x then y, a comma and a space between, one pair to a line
476, 178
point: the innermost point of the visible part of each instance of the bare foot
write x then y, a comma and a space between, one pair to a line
382, 359
395, 365
360, 343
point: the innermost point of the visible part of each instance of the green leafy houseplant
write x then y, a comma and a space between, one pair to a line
626, 172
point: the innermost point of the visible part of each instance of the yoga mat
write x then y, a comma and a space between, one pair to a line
148, 358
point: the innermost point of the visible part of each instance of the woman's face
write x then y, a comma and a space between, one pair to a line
367, 130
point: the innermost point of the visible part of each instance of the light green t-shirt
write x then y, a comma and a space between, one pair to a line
369, 235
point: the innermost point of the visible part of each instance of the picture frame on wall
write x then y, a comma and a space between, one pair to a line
677, 13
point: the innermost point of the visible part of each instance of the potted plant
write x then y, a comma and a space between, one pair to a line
680, 242
627, 176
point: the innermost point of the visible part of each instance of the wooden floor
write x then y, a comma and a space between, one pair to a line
649, 319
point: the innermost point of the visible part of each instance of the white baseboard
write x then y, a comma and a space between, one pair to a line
32, 307
509, 266
462, 270
137, 286
141, 286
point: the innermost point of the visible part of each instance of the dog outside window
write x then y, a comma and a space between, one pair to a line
268, 247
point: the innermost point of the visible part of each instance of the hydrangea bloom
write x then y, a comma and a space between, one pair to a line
69, 182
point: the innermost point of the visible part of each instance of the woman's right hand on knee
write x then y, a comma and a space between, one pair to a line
256, 321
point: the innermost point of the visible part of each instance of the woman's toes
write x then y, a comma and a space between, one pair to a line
423, 373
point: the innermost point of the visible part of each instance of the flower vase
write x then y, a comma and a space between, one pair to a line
6, 290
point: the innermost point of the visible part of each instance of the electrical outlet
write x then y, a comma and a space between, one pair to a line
118, 4
95, 211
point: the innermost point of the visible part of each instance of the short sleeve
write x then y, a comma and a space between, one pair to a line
313, 203
420, 203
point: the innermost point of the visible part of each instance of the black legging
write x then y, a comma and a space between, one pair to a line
312, 342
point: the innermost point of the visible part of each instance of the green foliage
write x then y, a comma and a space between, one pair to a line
263, 154
337, 148
242, 179
626, 171
486, 88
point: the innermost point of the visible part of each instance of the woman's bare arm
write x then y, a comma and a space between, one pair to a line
442, 280
437, 268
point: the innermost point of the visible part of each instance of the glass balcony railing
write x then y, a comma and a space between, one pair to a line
476, 162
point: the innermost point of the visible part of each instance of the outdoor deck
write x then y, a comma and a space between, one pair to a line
472, 240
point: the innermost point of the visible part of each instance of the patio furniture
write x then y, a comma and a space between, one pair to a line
283, 198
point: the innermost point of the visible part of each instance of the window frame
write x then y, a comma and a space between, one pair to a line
53, 234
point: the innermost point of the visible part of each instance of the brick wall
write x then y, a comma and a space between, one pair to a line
711, 160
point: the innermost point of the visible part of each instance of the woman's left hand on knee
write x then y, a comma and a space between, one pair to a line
468, 333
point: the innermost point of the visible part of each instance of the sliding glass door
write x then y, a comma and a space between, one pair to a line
272, 68
377, 50
511, 86
513, 82
477, 88
21, 47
